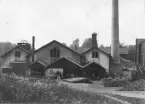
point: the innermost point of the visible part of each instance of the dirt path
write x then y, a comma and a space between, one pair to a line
100, 89
84, 87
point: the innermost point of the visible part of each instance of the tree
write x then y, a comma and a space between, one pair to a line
87, 43
122, 45
101, 46
64, 44
75, 45
5, 46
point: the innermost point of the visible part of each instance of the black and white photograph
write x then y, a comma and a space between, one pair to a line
72, 51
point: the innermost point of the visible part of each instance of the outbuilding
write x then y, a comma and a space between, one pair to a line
66, 68
36, 69
93, 71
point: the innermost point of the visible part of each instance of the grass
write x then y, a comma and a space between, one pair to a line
114, 82
33, 90
131, 100
19, 89
138, 85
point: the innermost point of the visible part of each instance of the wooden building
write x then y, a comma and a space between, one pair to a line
69, 68
55, 57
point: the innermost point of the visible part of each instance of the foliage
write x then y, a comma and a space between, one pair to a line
132, 49
114, 82
135, 86
102, 46
64, 44
87, 43
131, 100
19, 89
5, 46
122, 45
75, 45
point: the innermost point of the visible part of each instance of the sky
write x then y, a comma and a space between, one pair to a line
66, 20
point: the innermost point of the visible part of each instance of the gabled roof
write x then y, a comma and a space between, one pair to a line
91, 63
82, 50
38, 62
66, 59
95, 48
54, 41
13, 49
42, 63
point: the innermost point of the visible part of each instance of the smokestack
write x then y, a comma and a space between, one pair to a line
94, 40
33, 47
115, 32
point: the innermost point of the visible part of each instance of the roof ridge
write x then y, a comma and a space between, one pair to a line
14, 48
66, 59
96, 48
58, 43
42, 63
73, 61
91, 63
24, 49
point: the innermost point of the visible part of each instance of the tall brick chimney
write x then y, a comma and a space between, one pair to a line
115, 32
33, 47
116, 68
94, 40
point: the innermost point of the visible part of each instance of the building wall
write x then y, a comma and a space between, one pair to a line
138, 41
44, 54
51, 72
11, 57
102, 60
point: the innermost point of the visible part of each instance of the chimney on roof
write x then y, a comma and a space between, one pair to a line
33, 47
94, 40
25, 45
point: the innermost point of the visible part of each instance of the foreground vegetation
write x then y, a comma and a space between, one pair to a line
31, 90
17, 89
115, 82
125, 84
138, 85
131, 100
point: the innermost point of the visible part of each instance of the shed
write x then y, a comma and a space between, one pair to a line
18, 68
37, 68
93, 71
68, 67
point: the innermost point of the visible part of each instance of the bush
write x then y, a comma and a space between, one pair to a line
135, 86
114, 82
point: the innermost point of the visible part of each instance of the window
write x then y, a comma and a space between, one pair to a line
17, 54
94, 54
54, 53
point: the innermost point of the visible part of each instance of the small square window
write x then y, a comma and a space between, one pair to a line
95, 55
17, 54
